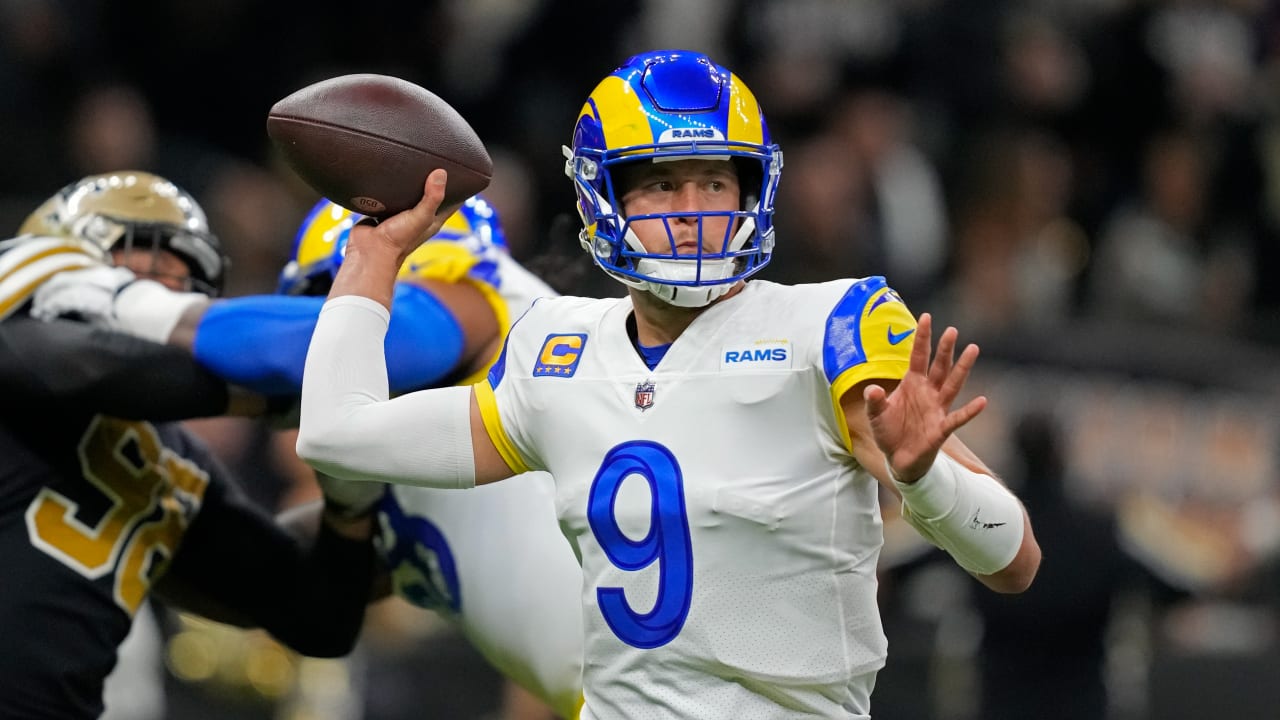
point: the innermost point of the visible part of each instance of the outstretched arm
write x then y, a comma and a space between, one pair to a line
903, 434
441, 330
69, 365
349, 428
260, 341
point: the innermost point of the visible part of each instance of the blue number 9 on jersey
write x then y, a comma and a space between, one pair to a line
667, 542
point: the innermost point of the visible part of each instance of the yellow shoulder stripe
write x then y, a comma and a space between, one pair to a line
493, 427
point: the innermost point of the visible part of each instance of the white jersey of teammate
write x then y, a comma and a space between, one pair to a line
492, 561
727, 536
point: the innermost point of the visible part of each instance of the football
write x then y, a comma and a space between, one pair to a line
367, 142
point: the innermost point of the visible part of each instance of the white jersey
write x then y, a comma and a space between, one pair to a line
492, 560
727, 536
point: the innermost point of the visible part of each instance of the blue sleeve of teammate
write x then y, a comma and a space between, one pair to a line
424, 342
260, 341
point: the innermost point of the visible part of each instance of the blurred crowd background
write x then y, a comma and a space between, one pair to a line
1090, 189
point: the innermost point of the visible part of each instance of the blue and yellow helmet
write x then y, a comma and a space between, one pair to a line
321, 244
668, 105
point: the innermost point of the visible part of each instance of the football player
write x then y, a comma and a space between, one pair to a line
102, 501
492, 562
716, 442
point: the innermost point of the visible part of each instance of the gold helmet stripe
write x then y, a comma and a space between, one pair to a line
624, 119
745, 124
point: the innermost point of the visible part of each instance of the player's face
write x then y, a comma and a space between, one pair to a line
160, 265
681, 186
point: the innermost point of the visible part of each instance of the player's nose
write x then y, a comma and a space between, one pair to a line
685, 199
688, 196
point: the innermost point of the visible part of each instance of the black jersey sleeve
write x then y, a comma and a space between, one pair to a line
70, 365
237, 564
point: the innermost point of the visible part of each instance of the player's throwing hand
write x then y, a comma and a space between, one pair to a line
375, 252
405, 231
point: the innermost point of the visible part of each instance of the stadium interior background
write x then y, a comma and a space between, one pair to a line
1090, 189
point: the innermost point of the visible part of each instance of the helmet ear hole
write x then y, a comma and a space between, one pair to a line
750, 178
623, 178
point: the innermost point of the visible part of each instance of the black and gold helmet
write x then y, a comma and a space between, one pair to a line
134, 211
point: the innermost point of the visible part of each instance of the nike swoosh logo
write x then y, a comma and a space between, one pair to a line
976, 523
895, 338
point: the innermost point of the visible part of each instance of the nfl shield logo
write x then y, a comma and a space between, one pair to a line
644, 395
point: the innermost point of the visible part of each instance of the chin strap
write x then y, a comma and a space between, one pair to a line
688, 297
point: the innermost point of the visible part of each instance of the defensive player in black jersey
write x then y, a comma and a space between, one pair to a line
102, 501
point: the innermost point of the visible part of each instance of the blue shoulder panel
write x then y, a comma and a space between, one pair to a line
842, 346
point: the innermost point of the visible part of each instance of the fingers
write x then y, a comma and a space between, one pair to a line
922, 346
961, 417
875, 399
415, 225
942, 359
958, 376
427, 210
944, 373
432, 195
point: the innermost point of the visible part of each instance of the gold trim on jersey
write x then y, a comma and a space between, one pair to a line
24, 267
493, 427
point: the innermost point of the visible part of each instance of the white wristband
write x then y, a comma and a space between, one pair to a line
970, 515
149, 310
934, 494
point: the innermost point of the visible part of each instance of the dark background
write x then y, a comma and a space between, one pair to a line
1089, 188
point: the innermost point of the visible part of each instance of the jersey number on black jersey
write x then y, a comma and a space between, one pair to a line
150, 494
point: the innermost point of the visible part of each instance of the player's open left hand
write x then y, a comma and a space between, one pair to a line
405, 231
911, 423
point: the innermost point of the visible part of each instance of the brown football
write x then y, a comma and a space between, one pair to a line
368, 141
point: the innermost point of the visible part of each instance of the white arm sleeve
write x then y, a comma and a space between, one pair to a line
970, 515
351, 430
